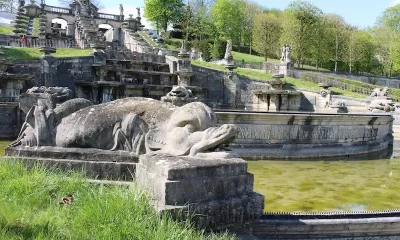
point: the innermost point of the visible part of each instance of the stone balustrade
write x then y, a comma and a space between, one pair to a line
33, 42
55, 9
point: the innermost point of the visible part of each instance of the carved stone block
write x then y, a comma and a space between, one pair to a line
218, 190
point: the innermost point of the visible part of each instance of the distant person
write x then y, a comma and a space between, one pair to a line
23, 41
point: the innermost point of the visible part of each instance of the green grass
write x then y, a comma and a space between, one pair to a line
252, 58
145, 36
6, 30
30, 209
327, 186
34, 53
260, 75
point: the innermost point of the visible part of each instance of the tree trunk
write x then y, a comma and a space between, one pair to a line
336, 53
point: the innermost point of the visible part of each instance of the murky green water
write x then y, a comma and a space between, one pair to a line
328, 186
323, 186
3, 145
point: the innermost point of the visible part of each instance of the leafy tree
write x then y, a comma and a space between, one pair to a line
391, 18
266, 34
301, 19
228, 18
251, 11
163, 12
338, 38
362, 51
384, 38
9, 5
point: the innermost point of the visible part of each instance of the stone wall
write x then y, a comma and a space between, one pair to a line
63, 72
220, 88
307, 135
10, 120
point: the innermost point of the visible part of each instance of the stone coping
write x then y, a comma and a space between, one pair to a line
299, 113
360, 228
84, 154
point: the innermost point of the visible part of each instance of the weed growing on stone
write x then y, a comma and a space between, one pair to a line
31, 207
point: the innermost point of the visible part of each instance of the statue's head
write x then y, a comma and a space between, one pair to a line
179, 91
190, 130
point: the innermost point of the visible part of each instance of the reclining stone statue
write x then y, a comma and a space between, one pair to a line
380, 101
138, 125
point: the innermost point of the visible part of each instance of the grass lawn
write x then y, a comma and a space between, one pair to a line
34, 53
30, 209
252, 58
145, 36
6, 30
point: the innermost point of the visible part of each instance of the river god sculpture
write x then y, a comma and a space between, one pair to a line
138, 125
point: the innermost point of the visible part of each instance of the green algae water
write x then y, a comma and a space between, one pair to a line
3, 145
293, 186
327, 186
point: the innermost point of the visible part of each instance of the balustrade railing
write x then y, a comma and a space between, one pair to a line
109, 16
32, 42
57, 9
9, 99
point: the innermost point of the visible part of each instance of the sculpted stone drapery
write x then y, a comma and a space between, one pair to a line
138, 125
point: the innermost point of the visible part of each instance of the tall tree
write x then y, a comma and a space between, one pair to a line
251, 11
163, 12
199, 19
391, 18
9, 5
228, 18
338, 36
301, 19
266, 33
361, 51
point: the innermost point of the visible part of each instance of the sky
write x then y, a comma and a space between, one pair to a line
361, 13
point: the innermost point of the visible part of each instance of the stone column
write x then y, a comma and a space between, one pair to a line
274, 103
70, 29
284, 102
184, 68
232, 91
49, 70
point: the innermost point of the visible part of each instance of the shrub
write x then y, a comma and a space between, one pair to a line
218, 50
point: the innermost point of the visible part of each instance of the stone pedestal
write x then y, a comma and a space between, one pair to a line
218, 191
286, 69
49, 70
232, 93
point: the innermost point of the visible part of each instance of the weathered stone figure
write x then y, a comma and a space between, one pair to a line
288, 53
138, 12
283, 53
228, 51
179, 96
380, 101
121, 10
138, 125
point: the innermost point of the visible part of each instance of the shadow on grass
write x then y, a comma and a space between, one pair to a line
25, 231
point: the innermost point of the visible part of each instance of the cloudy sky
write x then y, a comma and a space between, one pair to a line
362, 13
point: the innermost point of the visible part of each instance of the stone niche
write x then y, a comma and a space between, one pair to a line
275, 98
219, 192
